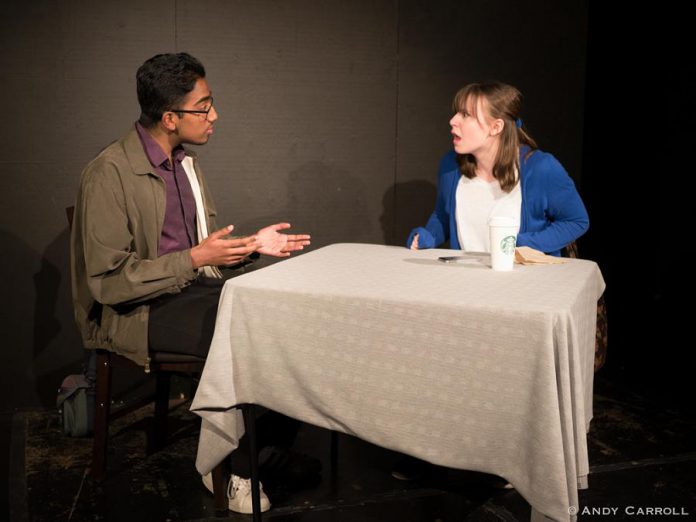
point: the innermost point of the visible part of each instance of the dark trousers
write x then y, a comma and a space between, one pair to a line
184, 323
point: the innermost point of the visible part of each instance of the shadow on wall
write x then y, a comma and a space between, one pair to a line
57, 346
17, 388
330, 204
41, 345
46, 285
405, 206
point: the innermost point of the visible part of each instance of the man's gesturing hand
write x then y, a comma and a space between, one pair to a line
216, 250
272, 243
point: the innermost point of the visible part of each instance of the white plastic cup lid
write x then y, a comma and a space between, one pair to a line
501, 221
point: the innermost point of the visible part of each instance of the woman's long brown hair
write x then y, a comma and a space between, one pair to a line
503, 101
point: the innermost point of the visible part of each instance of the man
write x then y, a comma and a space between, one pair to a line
145, 251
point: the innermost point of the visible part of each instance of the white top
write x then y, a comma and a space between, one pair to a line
201, 226
477, 202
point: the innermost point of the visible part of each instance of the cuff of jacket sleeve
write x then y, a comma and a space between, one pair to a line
425, 238
183, 267
524, 239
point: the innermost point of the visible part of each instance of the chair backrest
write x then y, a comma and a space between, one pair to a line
571, 250
601, 338
70, 212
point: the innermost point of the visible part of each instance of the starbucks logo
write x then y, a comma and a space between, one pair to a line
507, 245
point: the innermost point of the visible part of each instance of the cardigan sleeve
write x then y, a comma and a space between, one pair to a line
436, 230
565, 215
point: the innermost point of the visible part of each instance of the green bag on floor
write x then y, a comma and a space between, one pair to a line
75, 406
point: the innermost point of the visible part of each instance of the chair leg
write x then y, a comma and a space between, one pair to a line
159, 436
102, 405
249, 412
334, 451
333, 459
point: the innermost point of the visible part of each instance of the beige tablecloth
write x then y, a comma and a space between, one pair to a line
453, 363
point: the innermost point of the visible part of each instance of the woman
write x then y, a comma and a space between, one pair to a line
496, 169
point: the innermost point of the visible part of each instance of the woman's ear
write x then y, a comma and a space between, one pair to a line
497, 126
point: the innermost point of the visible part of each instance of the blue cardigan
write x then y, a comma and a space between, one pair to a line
552, 213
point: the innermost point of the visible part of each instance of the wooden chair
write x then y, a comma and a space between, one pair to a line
601, 339
162, 365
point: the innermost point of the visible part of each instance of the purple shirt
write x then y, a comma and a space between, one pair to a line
179, 228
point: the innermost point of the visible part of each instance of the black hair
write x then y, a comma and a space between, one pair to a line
163, 82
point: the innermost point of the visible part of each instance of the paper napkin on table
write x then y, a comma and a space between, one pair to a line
528, 256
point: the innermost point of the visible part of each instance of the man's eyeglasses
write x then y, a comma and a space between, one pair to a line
187, 111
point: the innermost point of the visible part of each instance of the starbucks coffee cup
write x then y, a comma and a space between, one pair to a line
503, 236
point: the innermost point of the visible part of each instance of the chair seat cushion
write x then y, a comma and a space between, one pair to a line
169, 357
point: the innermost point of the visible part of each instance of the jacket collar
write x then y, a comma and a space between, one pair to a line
136, 153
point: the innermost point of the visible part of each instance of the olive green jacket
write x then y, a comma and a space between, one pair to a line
116, 230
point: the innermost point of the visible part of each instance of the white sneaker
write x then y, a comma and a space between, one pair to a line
239, 494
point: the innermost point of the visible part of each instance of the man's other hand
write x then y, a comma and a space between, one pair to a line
215, 250
273, 243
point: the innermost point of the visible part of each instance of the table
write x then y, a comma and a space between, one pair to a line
453, 363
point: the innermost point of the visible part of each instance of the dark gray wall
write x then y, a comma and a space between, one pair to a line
333, 115
537, 46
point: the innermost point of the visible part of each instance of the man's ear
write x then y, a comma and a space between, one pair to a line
169, 121
497, 126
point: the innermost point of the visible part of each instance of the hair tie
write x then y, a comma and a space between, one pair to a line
518, 123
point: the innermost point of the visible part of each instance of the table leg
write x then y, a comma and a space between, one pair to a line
249, 412
220, 490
